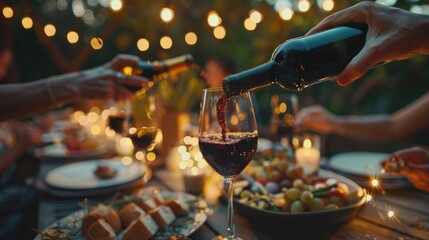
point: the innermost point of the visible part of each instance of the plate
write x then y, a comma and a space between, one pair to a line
305, 225
60, 152
80, 175
185, 226
362, 164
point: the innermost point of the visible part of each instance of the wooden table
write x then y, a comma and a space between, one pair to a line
410, 205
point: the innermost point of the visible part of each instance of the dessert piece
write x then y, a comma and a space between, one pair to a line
100, 230
147, 204
142, 228
129, 213
105, 172
180, 208
163, 216
101, 211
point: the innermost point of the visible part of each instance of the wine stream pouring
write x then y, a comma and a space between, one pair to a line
301, 62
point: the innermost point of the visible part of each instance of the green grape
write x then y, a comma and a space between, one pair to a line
307, 197
298, 183
317, 204
292, 194
245, 194
297, 207
331, 206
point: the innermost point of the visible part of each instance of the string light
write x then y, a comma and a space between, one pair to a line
303, 5
72, 37
27, 22
328, 5
213, 19
50, 30
96, 43
116, 5
191, 38
255, 16
143, 44
249, 24
7, 12
166, 42
286, 14
219, 32
390, 214
374, 182
167, 14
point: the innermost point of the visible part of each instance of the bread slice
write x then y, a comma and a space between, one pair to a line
179, 207
129, 213
163, 216
100, 230
102, 211
142, 228
147, 204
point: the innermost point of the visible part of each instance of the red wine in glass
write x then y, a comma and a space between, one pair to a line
116, 122
143, 137
230, 156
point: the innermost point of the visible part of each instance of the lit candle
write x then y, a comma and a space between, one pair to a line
194, 180
308, 157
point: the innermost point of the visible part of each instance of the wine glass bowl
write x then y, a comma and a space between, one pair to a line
228, 138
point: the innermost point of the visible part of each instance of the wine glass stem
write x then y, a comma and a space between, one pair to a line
229, 191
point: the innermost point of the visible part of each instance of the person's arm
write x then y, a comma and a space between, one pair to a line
106, 81
393, 34
399, 125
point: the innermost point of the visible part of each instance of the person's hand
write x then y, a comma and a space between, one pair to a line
393, 34
316, 118
412, 162
25, 134
108, 81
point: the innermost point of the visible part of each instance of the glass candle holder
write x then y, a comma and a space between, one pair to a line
307, 152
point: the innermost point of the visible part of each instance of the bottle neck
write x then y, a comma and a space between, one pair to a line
171, 66
258, 77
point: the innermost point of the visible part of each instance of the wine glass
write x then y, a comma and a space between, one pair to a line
142, 124
118, 112
284, 108
228, 138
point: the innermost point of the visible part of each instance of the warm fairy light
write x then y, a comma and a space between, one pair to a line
95, 130
27, 22
128, 70
249, 24
125, 142
181, 149
368, 198
143, 44
92, 117
126, 160
282, 107
374, 182
113, 111
139, 155
183, 165
198, 156
303, 5
7, 12
286, 14
255, 16
50, 30
132, 130
191, 38
213, 19
151, 156
72, 37
390, 214
328, 5
166, 14
166, 42
185, 156
77, 115
83, 120
116, 5
96, 43
109, 132
187, 140
219, 32
306, 143
194, 141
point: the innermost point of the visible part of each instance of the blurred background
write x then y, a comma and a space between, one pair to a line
51, 37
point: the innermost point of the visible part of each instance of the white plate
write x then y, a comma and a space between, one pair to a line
363, 164
80, 175
60, 151
69, 226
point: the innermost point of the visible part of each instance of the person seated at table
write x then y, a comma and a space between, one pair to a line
216, 69
393, 34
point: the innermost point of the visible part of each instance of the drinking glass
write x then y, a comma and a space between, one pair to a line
230, 148
142, 124
118, 112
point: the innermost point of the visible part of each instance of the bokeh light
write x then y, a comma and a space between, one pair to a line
27, 22
167, 14
7, 12
143, 44
213, 19
249, 24
116, 5
219, 32
72, 37
286, 14
303, 5
166, 42
255, 16
96, 43
50, 30
191, 38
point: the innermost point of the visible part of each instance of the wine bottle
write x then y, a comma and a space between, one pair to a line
156, 70
301, 62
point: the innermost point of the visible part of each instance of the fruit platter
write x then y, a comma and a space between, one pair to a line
273, 189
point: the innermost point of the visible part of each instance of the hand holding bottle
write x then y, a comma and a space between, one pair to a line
393, 34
